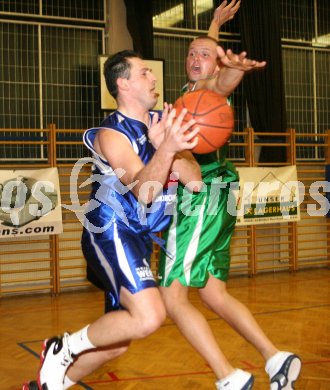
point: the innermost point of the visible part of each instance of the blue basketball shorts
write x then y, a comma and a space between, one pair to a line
119, 258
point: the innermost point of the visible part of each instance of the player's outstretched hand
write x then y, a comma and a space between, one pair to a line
157, 128
179, 135
238, 61
225, 12
173, 130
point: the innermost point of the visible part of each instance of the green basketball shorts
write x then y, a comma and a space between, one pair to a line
198, 239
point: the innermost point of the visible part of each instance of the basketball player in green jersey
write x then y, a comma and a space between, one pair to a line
198, 243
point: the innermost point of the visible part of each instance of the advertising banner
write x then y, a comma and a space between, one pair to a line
267, 195
30, 203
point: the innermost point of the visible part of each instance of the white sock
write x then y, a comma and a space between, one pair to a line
274, 363
67, 383
79, 341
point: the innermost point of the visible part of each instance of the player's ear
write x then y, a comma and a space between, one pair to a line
122, 84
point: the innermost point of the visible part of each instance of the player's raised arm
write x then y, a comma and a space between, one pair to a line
222, 14
231, 71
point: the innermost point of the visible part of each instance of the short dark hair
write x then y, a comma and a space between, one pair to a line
117, 66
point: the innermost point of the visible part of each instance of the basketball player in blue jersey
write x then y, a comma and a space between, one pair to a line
134, 153
200, 244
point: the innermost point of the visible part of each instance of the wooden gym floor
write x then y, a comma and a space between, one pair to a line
293, 309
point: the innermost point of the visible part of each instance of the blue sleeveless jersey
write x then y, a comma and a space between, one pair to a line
116, 201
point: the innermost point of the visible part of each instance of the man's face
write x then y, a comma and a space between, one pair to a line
142, 83
201, 61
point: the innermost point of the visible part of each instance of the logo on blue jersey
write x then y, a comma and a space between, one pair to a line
145, 272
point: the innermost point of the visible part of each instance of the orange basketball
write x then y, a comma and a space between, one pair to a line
213, 115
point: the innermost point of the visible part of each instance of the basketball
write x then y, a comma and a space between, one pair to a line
213, 115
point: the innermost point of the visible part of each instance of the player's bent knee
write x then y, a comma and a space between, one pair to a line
212, 303
151, 322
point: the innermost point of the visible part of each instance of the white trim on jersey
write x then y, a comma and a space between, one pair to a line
170, 248
191, 251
